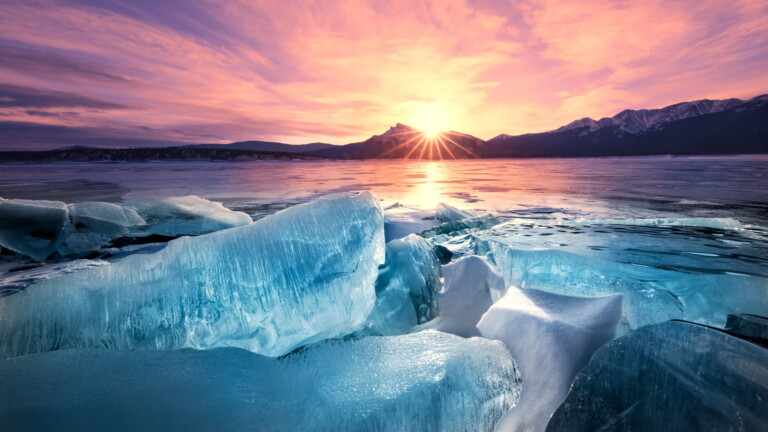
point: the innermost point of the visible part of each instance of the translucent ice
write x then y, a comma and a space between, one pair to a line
447, 213
186, 215
94, 224
428, 381
32, 228
471, 287
399, 221
673, 376
406, 288
694, 273
298, 276
551, 337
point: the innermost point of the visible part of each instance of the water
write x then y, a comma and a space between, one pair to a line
608, 188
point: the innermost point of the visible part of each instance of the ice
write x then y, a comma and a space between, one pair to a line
447, 213
551, 337
14, 281
186, 215
32, 228
301, 275
471, 287
94, 224
694, 273
400, 221
428, 381
673, 376
721, 223
406, 288
451, 229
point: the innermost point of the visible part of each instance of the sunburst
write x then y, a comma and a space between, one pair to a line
429, 145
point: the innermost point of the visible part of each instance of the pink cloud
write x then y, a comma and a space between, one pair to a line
340, 71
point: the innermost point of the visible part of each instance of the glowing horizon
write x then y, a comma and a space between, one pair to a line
338, 72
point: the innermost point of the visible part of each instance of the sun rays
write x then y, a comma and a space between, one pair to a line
431, 145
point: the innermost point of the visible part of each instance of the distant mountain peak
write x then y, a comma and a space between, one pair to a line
645, 120
399, 128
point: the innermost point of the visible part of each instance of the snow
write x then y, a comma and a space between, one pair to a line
551, 337
406, 288
32, 227
427, 381
95, 224
471, 287
186, 215
673, 376
299, 276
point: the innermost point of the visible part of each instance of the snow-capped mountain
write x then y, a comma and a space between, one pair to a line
644, 120
705, 127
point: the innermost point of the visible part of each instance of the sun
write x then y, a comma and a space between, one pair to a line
430, 118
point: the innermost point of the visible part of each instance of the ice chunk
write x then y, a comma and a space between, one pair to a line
551, 337
400, 221
31, 227
692, 273
14, 281
471, 287
427, 381
301, 275
446, 230
186, 215
749, 326
406, 288
94, 224
447, 213
673, 376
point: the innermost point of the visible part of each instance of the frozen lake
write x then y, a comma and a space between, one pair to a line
607, 188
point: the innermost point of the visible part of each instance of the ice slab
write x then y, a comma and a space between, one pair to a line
673, 376
400, 221
186, 215
447, 213
693, 273
551, 337
32, 227
451, 229
299, 276
406, 288
94, 224
471, 287
427, 381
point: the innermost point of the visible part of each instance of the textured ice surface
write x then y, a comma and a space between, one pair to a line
427, 381
298, 276
399, 221
471, 287
12, 282
451, 229
406, 288
447, 213
551, 337
186, 215
694, 273
94, 224
722, 223
673, 376
32, 228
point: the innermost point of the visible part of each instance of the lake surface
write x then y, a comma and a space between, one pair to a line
608, 188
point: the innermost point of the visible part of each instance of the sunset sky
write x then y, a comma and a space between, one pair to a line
155, 72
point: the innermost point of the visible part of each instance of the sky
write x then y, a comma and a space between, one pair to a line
150, 72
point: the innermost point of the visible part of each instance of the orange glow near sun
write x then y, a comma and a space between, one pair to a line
430, 118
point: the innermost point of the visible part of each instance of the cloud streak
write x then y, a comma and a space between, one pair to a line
203, 71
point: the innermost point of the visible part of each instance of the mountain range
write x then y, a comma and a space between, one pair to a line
702, 127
